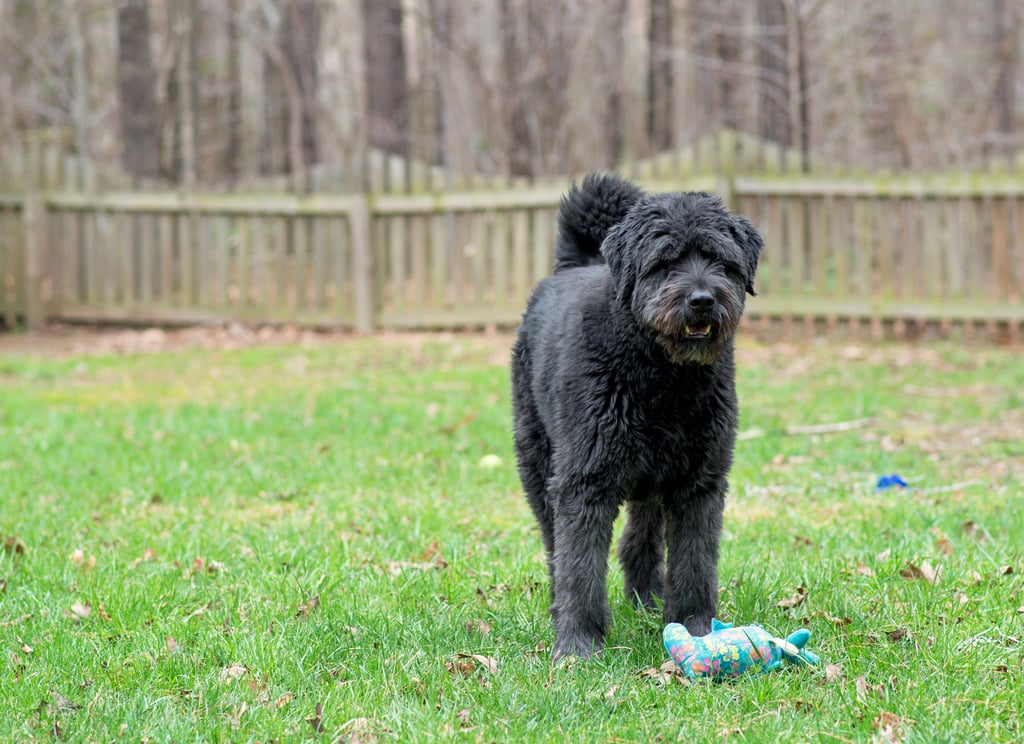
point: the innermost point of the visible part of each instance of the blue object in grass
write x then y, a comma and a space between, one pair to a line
888, 481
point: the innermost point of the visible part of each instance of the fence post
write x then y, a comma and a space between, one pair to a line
362, 249
33, 216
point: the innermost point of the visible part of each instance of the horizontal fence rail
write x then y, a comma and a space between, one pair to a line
947, 250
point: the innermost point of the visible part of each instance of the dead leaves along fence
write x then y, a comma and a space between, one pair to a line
878, 252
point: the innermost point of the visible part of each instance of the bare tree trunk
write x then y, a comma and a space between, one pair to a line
802, 92
659, 76
299, 42
515, 30
773, 81
387, 92
135, 83
1005, 37
232, 155
80, 83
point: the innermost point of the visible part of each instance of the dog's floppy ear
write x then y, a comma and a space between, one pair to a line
617, 250
750, 241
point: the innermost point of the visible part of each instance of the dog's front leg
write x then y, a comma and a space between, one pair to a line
583, 535
693, 523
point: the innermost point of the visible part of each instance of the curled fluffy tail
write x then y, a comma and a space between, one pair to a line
587, 213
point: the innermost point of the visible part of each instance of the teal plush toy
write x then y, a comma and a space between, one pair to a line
728, 652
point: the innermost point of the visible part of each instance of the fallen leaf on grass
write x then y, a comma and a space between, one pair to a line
78, 612
430, 560
884, 555
235, 716
307, 607
972, 530
665, 674
80, 559
840, 621
463, 717
897, 635
864, 689
486, 662
1005, 570
317, 720
834, 673
201, 565
282, 701
172, 645
232, 672
795, 601
13, 545
890, 728
478, 626
60, 704
943, 543
924, 572
363, 731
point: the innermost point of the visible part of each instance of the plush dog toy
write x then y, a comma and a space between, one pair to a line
728, 652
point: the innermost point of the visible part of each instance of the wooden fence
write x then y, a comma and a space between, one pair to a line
875, 251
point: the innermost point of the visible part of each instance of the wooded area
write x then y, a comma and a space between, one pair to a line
398, 163
221, 91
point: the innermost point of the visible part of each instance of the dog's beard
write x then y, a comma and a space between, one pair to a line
690, 336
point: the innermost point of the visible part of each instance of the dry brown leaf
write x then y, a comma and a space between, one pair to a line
282, 701
487, 662
942, 543
972, 530
834, 673
78, 612
235, 716
307, 607
13, 545
433, 555
317, 720
232, 672
864, 570
890, 728
463, 717
924, 572
897, 635
864, 689
884, 555
172, 645
840, 621
1020, 610
795, 601
62, 704
478, 626
1005, 570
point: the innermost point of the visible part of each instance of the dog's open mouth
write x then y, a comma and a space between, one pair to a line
697, 331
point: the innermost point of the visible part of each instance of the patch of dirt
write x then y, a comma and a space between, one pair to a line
60, 341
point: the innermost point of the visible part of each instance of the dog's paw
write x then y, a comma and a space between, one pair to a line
580, 646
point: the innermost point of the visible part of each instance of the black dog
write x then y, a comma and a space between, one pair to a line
623, 391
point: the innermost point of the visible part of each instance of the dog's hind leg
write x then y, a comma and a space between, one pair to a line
583, 536
642, 552
693, 523
533, 456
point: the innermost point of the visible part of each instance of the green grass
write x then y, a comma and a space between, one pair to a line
259, 534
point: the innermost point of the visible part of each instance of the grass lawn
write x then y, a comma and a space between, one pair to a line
309, 541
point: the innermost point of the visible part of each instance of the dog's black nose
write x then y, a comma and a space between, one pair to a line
701, 299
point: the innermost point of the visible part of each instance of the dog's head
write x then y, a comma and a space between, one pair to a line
681, 264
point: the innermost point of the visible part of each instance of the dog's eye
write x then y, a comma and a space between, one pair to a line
734, 272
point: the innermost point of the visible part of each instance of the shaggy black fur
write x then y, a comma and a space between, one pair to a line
623, 391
